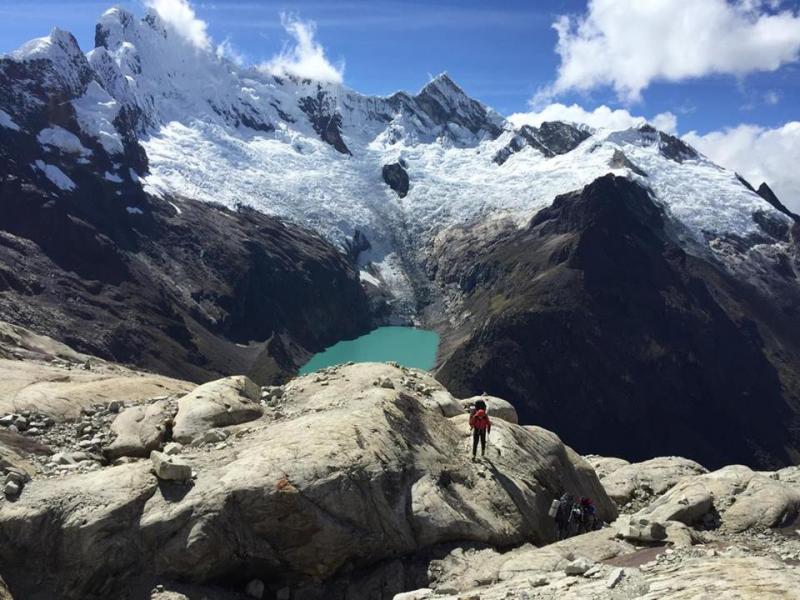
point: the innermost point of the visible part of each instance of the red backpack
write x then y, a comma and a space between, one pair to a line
480, 420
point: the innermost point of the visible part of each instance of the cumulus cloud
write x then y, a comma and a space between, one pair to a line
600, 117
180, 15
627, 44
305, 57
758, 154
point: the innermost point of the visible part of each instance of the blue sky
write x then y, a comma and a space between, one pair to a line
500, 52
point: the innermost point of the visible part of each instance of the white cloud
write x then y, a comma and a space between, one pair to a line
628, 44
226, 50
305, 58
772, 97
180, 15
600, 117
758, 154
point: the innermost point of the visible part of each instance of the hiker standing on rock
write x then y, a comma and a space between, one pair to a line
481, 427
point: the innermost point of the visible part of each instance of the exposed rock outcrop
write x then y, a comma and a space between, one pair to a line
766, 192
219, 403
396, 177
734, 497
642, 558
140, 429
649, 478
620, 161
551, 138
333, 476
327, 122
605, 465
40, 375
680, 575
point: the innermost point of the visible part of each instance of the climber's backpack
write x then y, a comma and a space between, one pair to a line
479, 420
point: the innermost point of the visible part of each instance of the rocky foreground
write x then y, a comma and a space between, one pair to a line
355, 482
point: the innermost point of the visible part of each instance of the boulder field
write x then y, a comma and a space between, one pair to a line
354, 482
731, 533
309, 490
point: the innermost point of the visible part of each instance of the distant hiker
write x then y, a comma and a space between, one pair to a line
589, 520
561, 512
573, 517
481, 427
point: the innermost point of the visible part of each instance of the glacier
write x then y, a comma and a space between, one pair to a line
312, 152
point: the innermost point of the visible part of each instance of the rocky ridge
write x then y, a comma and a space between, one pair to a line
712, 553
355, 482
345, 473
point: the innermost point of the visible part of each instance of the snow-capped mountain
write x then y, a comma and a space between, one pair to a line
541, 253
314, 152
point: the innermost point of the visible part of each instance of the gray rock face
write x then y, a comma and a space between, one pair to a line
173, 448
220, 403
620, 161
348, 473
605, 465
472, 573
738, 497
327, 122
551, 138
442, 400
396, 178
690, 575
648, 478
140, 430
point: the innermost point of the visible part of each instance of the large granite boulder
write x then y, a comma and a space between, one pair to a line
649, 478
605, 465
496, 408
140, 430
341, 475
443, 401
220, 403
734, 497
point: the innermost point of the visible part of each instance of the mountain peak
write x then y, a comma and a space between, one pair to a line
56, 62
112, 26
442, 83
118, 14
59, 44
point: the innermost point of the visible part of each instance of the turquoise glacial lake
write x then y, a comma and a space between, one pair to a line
408, 346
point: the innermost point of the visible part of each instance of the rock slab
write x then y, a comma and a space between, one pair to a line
220, 403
